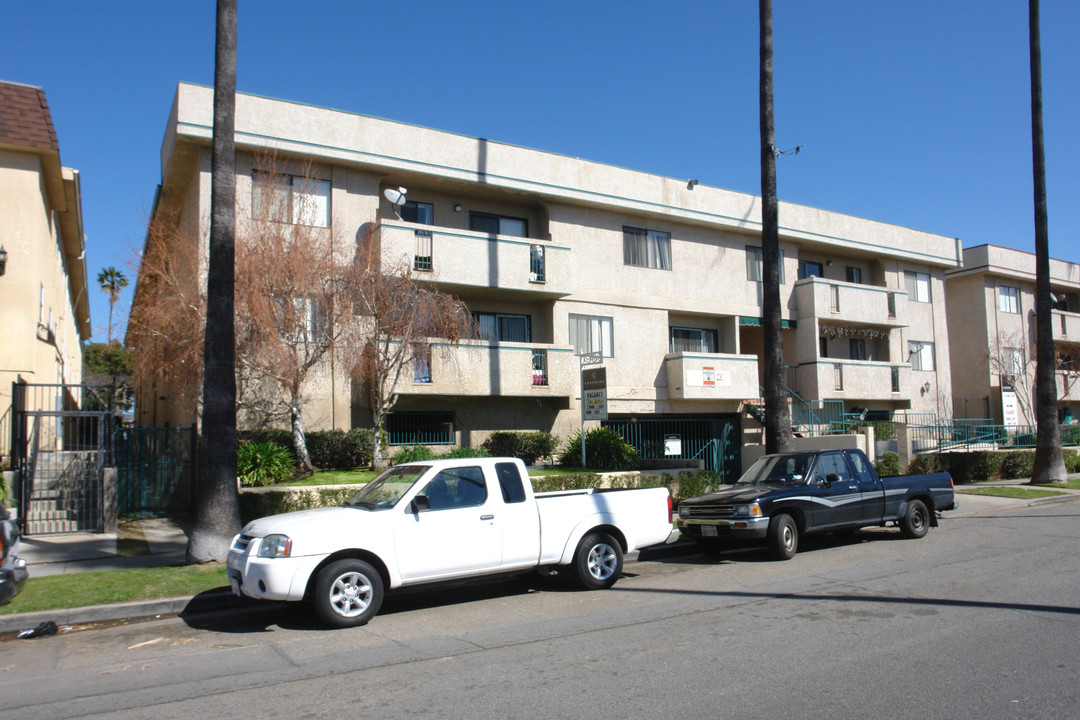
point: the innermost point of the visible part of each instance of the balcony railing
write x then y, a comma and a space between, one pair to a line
1066, 326
711, 376
854, 380
482, 368
462, 257
851, 302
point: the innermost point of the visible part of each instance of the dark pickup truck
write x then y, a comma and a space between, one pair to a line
787, 495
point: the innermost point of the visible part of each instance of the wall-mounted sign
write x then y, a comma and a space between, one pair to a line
672, 445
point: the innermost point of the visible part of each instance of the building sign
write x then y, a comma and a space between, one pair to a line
1010, 408
594, 393
672, 445
709, 376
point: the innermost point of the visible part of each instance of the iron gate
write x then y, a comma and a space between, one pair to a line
716, 441
154, 470
59, 447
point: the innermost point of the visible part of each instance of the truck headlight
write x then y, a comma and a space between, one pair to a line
752, 510
684, 512
275, 546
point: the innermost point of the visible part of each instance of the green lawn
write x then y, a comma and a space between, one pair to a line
115, 586
1011, 491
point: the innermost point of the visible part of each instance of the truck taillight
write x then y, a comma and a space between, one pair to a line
670, 510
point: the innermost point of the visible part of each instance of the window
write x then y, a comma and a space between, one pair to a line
895, 378
891, 298
838, 376
921, 355
858, 349
853, 274
754, 271
306, 321
823, 346
809, 268
422, 365
504, 327
1008, 299
510, 482
498, 225
457, 488
591, 333
693, 340
918, 286
647, 248
418, 212
290, 199
834, 298
422, 256
831, 463
539, 367
1013, 361
536, 263
420, 428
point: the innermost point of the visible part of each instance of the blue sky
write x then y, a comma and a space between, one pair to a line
915, 113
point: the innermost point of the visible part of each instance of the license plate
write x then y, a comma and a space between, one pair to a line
708, 530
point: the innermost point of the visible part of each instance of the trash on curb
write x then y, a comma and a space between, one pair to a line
44, 629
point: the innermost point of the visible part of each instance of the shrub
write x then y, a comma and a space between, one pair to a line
529, 446
465, 452
605, 449
889, 465
260, 504
268, 435
413, 453
339, 450
689, 483
572, 481
1072, 460
1018, 464
922, 464
263, 463
986, 465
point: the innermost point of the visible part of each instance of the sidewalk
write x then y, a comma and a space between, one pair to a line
167, 537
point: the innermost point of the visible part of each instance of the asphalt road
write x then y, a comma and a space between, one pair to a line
980, 619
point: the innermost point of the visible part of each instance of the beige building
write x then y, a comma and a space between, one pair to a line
558, 256
991, 304
44, 307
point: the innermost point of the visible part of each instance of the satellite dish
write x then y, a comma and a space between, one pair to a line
395, 196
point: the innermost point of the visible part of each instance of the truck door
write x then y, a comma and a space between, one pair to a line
836, 494
517, 519
456, 534
872, 505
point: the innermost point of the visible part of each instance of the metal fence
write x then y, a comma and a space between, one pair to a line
155, 470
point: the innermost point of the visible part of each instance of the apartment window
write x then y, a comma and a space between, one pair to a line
891, 301
306, 321
422, 365
420, 428
539, 367
591, 333
754, 271
647, 248
1013, 360
498, 225
853, 274
858, 348
1008, 299
838, 376
536, 263
921, 355
422, 256
685, 339
504, 327
290, 199
834, 298
823, 346
917, 285
895, 378
421, 213
809, 268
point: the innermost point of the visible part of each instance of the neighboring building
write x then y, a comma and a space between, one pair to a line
44, 307
556, 256
991, 304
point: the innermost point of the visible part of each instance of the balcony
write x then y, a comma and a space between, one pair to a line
711, 376
850, 302
463, 257
854, 380
1066, 326
482, 368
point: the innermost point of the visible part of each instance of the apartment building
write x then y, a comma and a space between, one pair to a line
557, 257
991, 311
44, 307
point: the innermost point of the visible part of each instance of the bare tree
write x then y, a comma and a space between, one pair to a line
1049, 462
778, 434
1010, 361
401, 320
217, 506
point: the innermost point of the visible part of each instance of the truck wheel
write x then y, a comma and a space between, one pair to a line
916, 520
598, 561
348, 593
783, 537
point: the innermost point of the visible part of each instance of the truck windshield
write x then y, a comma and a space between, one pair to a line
773, 469
384, 491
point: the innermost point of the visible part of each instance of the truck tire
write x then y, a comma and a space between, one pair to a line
783, 537
916, 520
598, 561
347, 593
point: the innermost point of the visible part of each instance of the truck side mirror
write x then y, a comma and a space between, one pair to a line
419, 504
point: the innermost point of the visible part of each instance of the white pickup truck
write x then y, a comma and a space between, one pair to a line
425, 522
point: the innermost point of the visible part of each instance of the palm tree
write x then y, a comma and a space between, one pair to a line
777, 421
217, 504
1049, 463
111, 281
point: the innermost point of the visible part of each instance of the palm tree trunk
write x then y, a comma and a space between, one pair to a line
217, 508
778, 437
1049, 463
